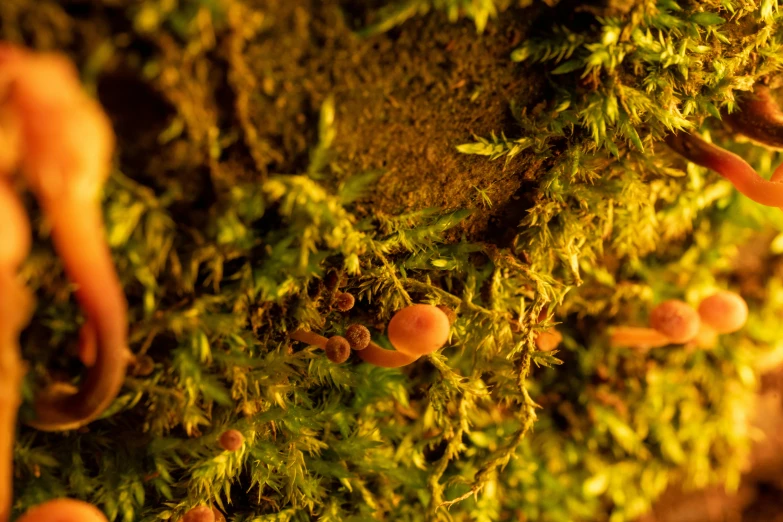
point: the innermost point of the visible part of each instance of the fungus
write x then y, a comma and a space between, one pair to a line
231, 440
759, 117
344, 301
218, 515
63, 510
725, 312
66, 144
706, 338
418, 329
636, 337
338, 349
730, 166
414, 331
548, 340
677, 320
358, 336
199, 514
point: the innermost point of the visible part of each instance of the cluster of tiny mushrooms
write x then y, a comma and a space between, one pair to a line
57, 142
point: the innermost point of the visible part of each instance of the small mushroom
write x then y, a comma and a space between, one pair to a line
548, 340
414, 331
725, 312
231, 440
63, 510
344, 301
677, 320
199, 514
358, 336
337, 349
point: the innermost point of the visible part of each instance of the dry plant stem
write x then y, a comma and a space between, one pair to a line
759, 117
78, 238
636, 337
378, 356
730, 166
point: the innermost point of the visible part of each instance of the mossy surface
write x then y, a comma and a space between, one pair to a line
269, 153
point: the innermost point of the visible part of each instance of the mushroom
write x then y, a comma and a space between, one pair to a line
759, 117
671, 322
231, 440
548, 340
63, 510
414, 331
66, 144
725, 312
730, 166
337, 348
199, 514
344, 301
358, 336
676, 320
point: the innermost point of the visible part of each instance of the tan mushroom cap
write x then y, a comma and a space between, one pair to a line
676, 320
418, 329
725, 312
64, 510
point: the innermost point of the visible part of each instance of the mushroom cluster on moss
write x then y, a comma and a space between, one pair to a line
413, 331
676, 322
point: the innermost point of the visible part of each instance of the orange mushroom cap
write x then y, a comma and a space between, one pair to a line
676, 320
199, 514
725, 312
231, 440
64, 510
418, 329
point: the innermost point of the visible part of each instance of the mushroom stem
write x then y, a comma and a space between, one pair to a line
311, 338
759, 118
730, 166
636, 337
77, 234
378, 356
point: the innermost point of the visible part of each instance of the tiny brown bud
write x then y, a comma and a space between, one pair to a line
343, 301
450, 313
358, 336
199, 514
231, 440
142, 366
338, 349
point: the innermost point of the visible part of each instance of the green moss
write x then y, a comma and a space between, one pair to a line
268, 153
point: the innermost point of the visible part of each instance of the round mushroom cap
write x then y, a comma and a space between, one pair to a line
418, 329
358, 336
548, 340
344, 301
199, 514
725, 312
231, 440
64, 510
338, 349
676, 320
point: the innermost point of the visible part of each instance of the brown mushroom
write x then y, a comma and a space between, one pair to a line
231, 440
337, 349
676, 320
199, 514
64, 510
414, 331
725, 312
358, 336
